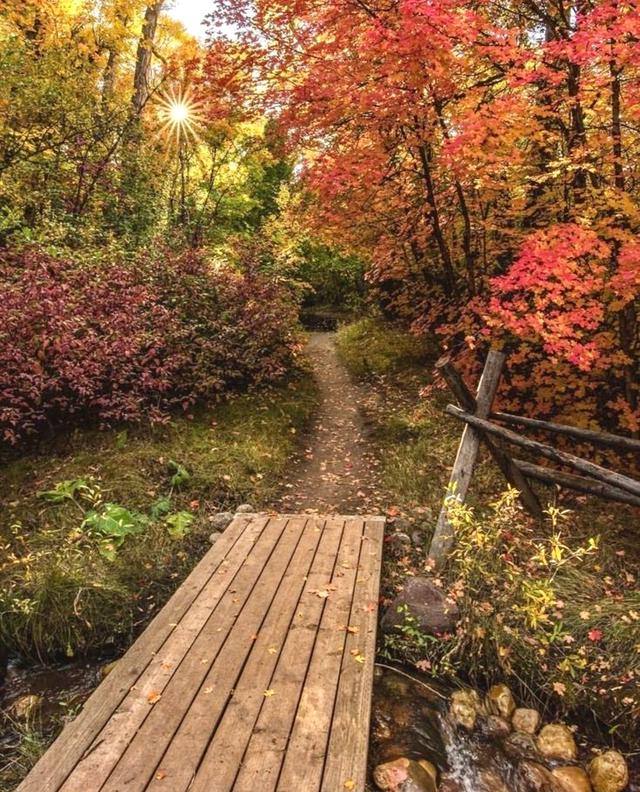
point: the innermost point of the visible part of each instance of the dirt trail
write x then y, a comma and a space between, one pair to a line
337, 470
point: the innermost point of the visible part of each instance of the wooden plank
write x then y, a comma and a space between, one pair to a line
346, 761
547, 451
264, 754
220, 764
190, 742
443, 537
304, 760
214, 609
58, 762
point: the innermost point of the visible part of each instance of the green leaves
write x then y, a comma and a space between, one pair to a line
64, 491
180, 474
179, 524
115, 522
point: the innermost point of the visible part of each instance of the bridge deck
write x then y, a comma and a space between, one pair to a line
256, 675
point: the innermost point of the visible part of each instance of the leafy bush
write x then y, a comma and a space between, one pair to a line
554, 615
131, 341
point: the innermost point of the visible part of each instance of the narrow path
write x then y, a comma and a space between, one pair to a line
338, 470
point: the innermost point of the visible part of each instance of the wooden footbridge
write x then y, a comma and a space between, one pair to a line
255, 677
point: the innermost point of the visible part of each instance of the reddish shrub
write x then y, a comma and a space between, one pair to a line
111, 343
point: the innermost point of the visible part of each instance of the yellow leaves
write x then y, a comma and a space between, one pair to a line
357, 656
349, 784
153, 697
269, 693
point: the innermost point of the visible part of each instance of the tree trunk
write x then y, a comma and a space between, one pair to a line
143, 56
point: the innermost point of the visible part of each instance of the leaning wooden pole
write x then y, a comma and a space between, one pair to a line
509, 469
443, 537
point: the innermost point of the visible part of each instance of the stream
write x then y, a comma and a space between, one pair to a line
409, 719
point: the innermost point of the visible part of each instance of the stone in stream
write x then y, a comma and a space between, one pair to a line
572, 779
519, 746
500, 701
26, 707
221, 520
464, 708
490, 781
433, 611
525, 720
556, 741
535, 777
406, 775
609, 772
495, 727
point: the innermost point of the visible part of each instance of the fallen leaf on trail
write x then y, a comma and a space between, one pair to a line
559, 688
269, 693
322, 593
161, 774
349, 784
154, 696
208, 690
272, 650
350, 629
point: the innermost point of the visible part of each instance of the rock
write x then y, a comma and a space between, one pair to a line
526, 720
521, 746
433, 612
26, 706
401, 525
464, 708
490, 781
571, 779
495, 727
221, 520
500, 701
536, 778
213, 538
556, 741
400, 542
609, 772
405, 775
245, 508
107, 668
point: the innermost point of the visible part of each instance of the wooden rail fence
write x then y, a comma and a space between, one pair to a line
484, 426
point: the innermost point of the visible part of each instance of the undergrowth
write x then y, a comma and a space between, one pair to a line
543, 607
98, 532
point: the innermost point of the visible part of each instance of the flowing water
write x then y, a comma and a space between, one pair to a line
410, 720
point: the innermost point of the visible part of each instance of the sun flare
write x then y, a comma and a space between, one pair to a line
179, 114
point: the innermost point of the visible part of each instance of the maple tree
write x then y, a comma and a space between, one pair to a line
474, 154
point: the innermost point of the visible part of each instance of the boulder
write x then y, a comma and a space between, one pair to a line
433, 611
221, 520
526, 721
464, 708
556, 741
535, 777
500, 701
245, 508
450, 784
405, 775
609, 772
490, 781
213, 538
572, 779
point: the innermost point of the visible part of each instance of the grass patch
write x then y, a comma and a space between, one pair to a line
565, 634
97, 532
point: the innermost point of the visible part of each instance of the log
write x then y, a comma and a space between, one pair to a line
443, 536
510, 471
586, 435
578, 483
547, 451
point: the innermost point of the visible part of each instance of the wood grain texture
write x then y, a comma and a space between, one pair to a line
256, 675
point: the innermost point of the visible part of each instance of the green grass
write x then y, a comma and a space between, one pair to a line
65, 590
